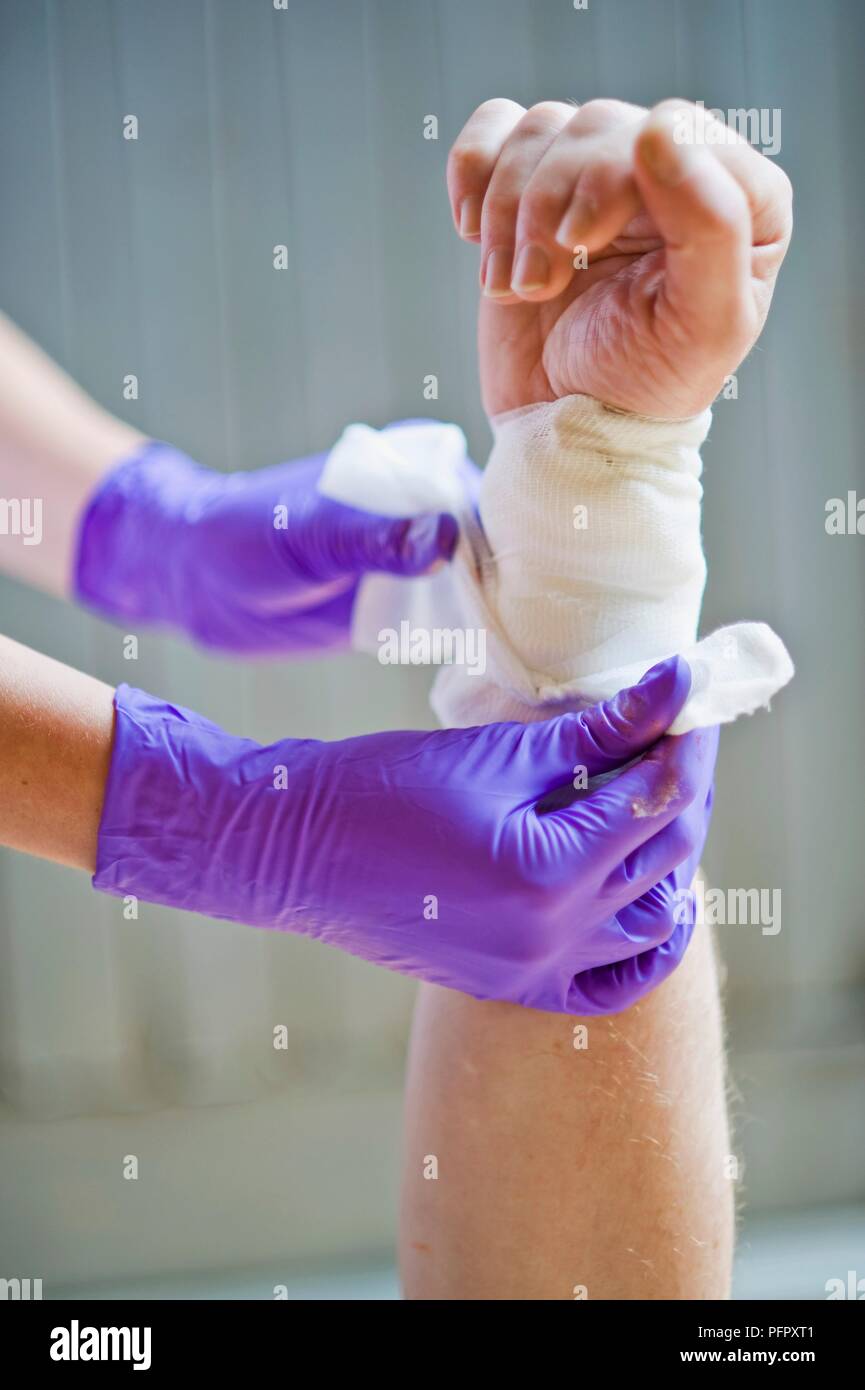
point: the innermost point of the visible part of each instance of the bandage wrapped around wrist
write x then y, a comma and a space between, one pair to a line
585, 568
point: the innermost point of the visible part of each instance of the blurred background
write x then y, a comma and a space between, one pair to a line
304, 126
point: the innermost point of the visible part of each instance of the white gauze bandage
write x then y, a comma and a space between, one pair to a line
586, 569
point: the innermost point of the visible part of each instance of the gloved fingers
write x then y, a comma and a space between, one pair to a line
623, 814
604, 737
337, 541
614, 731
412, 547
678, 843
610, 989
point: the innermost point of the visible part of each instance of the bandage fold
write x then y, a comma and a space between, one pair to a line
583, 568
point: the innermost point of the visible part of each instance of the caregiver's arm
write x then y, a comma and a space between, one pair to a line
56, 443
55, 748
252, 562
450, 855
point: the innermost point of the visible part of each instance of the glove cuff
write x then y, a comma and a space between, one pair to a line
182, 816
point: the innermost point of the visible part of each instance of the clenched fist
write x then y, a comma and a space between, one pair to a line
682, 228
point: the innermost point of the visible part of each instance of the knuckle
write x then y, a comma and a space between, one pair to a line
663, 921
600, 731
467, 163
604, 110
674, 106
544, 114
782, 197
498, 106
687, 122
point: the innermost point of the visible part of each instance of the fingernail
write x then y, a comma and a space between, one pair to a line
497, 272
575, 224
532, 270
666, 159
470, 216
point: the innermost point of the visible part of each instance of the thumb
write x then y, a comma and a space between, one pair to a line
703, 216
617, 730
413, 546
610, 733
404, 546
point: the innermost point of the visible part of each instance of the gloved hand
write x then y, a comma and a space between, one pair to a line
452, 855
248, 562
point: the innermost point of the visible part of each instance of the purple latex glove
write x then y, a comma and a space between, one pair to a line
165, 541
452, 855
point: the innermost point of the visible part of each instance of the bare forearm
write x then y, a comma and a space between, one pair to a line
55, 746
564, 1169
55, 444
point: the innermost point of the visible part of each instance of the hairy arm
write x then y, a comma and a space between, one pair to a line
570, 1164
